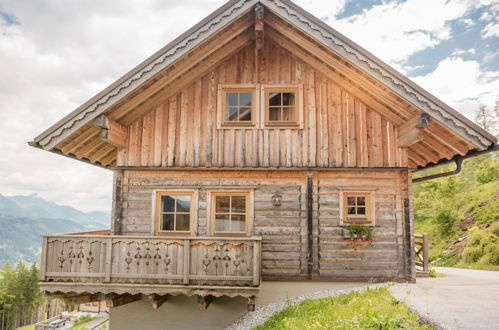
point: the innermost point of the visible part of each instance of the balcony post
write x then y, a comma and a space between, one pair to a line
43, 262
109, 259
187, 260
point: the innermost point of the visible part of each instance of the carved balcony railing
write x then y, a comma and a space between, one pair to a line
150, 265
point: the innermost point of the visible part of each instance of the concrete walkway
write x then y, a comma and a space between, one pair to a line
462, 299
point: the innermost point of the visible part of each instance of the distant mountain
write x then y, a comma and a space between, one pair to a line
33, 206
20, 237
24, 218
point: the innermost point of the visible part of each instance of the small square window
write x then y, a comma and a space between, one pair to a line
230, 213
357, 207
282, 105
237, 105
174, 213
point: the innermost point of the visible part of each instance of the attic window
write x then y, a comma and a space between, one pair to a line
237, 105
283, 104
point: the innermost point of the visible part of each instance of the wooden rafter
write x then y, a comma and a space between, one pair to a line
90, 148
204, 302
81, 139
121, 300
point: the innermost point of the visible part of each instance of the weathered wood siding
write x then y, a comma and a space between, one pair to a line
284, 229
339, 257
339, 130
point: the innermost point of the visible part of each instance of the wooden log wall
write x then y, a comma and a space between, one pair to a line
339, 130
284, 229
340, 257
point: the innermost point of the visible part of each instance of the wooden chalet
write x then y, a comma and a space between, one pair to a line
240, 152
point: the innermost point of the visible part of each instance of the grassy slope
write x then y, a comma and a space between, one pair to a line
369, 309
455, 209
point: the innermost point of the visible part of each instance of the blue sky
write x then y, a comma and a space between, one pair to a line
54, 55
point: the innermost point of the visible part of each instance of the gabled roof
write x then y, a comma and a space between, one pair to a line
300, 19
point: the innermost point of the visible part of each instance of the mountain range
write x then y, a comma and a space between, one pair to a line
24, 218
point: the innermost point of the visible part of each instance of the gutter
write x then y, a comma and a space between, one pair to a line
458, 160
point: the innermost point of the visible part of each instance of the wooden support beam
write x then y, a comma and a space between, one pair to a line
259, 26
251, 303
121, 300
111, 131
413, 130
157, 300
204, 302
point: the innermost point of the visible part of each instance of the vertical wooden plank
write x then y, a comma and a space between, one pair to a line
363, 135
276, 147
256, 263
190, 128
43, 261
172, 126
384, 141
370, 137
164, 135
282, 147
109, 259
351, 132
324, 123
186, 260
265, 154
393, 146
158, 135
312, 124
146, 147
331, 125
377, 140
288, 148
210, 117
196, 132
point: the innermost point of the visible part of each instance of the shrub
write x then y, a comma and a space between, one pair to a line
472, 254
488, 171
492, 253
475, 238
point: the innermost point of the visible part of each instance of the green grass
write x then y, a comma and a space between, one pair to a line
81, 322
368, 309
28, 327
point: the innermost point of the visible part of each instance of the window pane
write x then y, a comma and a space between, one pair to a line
351, 211
245, 99
167, 204
274, 114
361, 201
232, 99
245, 114
238, 204
231, 114
222, 204
167, 222
183, 203
288, 99
183, 222
351, 201
287, 114
238, 223
361, 211
222, 222
274, 99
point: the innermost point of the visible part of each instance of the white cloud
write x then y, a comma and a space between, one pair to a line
491, 30
394, 31
462, 84
470, 51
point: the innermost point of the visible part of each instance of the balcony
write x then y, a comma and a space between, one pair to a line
97, 266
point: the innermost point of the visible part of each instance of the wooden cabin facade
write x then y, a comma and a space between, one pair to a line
240, 152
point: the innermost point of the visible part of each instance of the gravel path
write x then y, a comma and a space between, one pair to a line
462, 299
261, 314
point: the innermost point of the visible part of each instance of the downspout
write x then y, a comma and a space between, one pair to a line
458, 160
